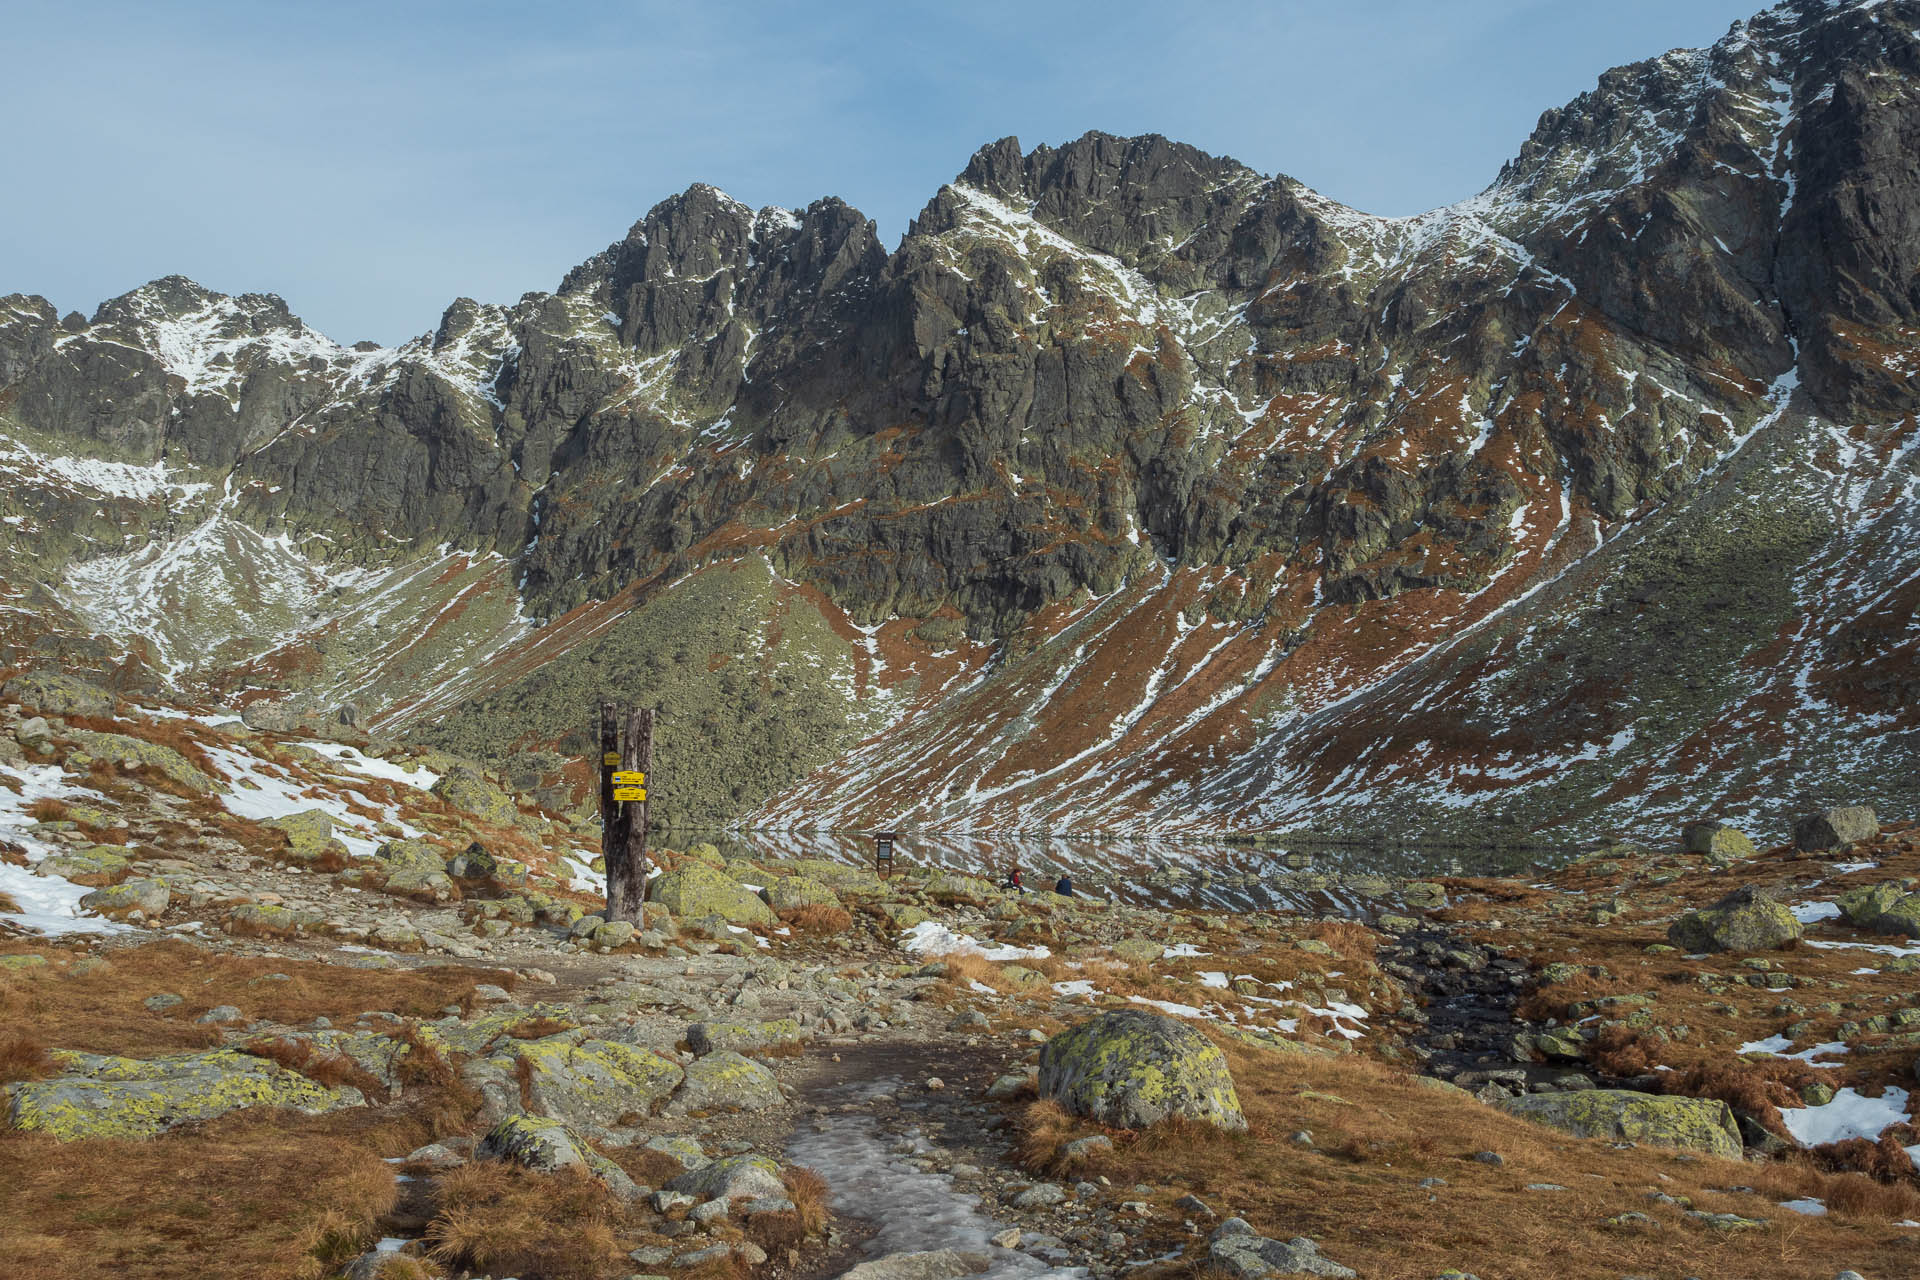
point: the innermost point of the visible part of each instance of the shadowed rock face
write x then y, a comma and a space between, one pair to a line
1302, 449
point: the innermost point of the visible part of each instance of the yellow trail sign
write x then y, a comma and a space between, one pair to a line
629, 778
629, 795
611, 759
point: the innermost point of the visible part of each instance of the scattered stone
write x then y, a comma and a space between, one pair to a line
1239, 1251
1717, 840
753, 1176
1698, 1124
1836, 828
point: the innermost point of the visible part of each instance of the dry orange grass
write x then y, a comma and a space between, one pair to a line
102, 1011
497, 1218
257, 1194
329, 1069
1377, 1134
817, 918
22, 1057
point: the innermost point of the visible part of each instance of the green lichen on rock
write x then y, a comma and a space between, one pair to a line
731, 1176
790, 893
1718, 841
1865, 905
695, 889
22, 962
416, 869
950, 887
1836, 828
136, 753
592, 1082
99, 1096
1745, 920
1137, 950
147, 896
1695, 1124
712, 1037
271, 918
1130, 1068
546, 1145
842, 878
1901, 917
96, 865
466, 790
309, 836
725, 1081
57, 693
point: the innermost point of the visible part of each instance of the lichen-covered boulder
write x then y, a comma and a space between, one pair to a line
96, 865
1137, 950
790, 893
1901, 917
723, 1179
546, 1145
1130, 1068
99, 1096
725, 1081
1745, 920
713, 1037
1695, 1124
1836, 828
57, 694
310, 839
416, 869
951, 886
1718, 841
695, 889
270, 919
593, 1083
1863, 906
1237, 1250
147, 896
464, 789
841, 877
136, 753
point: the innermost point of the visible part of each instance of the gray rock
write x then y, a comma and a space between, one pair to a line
1836, 828
725, 1081
753, 1176
937, 1264
1236, 1249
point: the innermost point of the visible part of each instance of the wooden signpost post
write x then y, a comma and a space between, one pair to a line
625, 760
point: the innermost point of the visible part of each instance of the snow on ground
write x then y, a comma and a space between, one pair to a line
1851, 1114
1778, 1046
1182, 950
1812, 1208
373, 766
1168, 1006
261, 792
1813, 912
1884, 948
931, 938
48, 904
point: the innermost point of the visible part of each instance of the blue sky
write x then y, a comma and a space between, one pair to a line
369, 163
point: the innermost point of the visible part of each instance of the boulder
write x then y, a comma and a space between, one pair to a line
416, 869
1718, 841
310, 839
752, 1176
137, 753
1836, 828
548, 1146
695, 889
95, 866
1745, 920
149, 897
789, 893
1137, 950
934, 1264
1865, 905
725, 1081
1130, 1068
1901, 916
465, 789
713, 1037
1236, 1249
1695, 1124
100, 1096
591, 1084
57, 694
842, 878
951, 886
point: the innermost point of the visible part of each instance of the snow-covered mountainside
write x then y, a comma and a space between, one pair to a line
1134, 489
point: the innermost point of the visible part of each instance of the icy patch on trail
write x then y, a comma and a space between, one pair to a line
915, 1211
48, 904
931, 938
1851, 1114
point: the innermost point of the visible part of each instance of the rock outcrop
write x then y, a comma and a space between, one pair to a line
1131, 1069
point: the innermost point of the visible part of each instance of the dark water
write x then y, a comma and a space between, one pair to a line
1200, 874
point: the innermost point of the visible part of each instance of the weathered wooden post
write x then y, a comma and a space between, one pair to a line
612, 838
626, 852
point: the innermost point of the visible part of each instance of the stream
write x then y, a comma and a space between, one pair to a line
873, 1178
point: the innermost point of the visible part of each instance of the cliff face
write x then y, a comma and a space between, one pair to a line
1133, 488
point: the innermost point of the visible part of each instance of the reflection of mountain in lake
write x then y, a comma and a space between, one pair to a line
1195, 874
